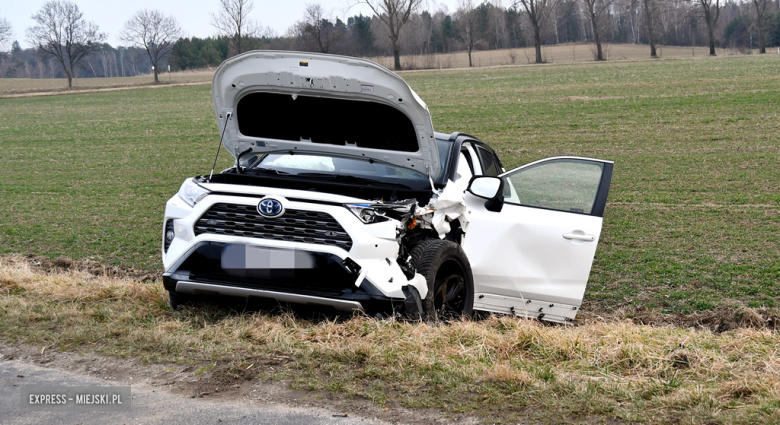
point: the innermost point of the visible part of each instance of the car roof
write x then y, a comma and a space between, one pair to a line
460, 137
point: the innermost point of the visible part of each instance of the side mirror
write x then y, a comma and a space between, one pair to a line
484, 186
490, 188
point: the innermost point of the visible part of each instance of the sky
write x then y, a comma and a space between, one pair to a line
193, 15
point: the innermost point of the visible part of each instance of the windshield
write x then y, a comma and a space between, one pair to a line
308, 164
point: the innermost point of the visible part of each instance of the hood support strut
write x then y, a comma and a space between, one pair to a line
227, 117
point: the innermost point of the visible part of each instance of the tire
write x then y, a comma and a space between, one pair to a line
179, 300
450, 282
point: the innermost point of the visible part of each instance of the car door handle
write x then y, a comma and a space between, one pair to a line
579, 237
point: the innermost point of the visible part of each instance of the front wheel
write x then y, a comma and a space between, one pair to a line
450, 282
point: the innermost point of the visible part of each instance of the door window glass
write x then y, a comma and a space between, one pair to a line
489, 166
563, 185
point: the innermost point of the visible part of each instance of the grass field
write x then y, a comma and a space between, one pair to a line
692, 218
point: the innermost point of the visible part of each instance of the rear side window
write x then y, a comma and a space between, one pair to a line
489, 166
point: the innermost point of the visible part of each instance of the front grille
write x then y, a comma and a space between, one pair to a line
295, 225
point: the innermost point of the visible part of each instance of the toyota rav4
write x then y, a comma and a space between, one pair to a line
343, 195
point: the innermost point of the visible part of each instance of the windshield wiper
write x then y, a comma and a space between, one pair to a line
352, 178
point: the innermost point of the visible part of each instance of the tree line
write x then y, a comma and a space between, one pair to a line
67, 45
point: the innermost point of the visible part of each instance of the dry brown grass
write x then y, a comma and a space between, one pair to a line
563, 53
501, 367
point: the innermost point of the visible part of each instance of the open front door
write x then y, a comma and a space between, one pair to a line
533, 258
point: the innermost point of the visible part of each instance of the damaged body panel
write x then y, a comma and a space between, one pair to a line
342, 195
300, 255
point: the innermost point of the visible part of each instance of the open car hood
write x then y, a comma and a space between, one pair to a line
309, 102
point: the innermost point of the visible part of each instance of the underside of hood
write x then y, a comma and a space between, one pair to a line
272, 101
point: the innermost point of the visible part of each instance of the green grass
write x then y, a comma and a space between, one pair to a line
692, 218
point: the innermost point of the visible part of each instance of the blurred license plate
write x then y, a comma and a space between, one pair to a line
258, 257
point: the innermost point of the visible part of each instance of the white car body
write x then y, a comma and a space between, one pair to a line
529, 258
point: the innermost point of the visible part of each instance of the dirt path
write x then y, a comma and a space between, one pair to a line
98, 90
149, 404
175, 394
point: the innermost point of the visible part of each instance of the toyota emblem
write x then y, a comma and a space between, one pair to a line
270, 207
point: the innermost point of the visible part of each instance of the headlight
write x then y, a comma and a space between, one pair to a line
367, 213
191, 193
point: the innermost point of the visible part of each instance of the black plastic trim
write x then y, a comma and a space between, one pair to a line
369, 288
311, 184
252, 195
245, 195
601, 196
169, 283
315, 201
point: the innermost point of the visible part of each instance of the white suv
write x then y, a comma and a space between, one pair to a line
343, 195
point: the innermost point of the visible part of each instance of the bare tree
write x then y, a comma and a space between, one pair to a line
153, 31
711, 10
417, 35
760, 6
394, 14
318, 26
62, 32
649, 13
497, 17
537, 11
233, 21
468, 21
6, 32
595, 9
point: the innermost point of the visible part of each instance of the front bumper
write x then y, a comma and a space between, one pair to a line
364, 277
304, 277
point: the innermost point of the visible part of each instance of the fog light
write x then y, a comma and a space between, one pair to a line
168, 235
